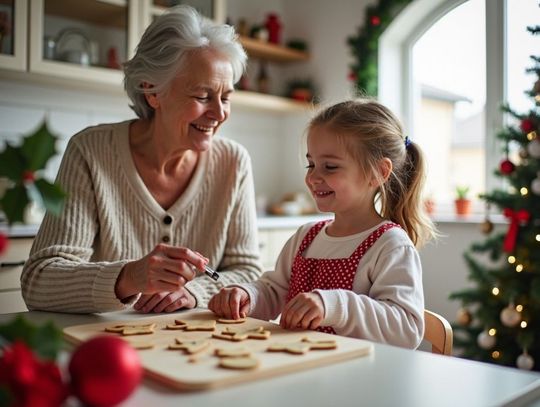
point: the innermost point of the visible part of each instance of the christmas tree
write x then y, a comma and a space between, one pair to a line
499, 321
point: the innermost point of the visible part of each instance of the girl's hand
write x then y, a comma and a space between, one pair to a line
305, 311
164, 269
231, 303
165, 301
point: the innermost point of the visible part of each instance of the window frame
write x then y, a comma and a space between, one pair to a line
395, 80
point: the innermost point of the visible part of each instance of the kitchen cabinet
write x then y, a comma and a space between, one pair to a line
11, 264
271, 241
82, 44
13, 34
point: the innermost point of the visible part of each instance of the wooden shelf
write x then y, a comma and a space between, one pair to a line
261, 101
108, 13
272, 52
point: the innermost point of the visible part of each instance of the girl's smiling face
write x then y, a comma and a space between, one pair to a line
335, 179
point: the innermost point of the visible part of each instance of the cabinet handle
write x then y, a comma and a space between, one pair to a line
12, 264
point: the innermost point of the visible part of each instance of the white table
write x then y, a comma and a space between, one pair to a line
390, 376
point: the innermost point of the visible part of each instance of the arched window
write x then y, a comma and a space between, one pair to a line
446, 66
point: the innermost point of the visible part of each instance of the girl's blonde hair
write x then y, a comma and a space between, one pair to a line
371, 132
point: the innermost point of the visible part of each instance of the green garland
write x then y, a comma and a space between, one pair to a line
364, 46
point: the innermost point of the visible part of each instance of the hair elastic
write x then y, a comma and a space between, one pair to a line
407, 141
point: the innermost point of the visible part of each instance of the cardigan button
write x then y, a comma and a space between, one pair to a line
165, 239
167, 220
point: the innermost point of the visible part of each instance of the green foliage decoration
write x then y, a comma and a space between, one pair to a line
364, 46
22, 167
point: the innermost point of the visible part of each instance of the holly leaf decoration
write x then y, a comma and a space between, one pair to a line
45, 340
51, 195
12, 163
38, 148
22, 165
13, 203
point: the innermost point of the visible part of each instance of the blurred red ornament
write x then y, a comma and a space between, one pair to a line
526, 126
375, 20
104, 371
30, 381
28, 176
274, 28
507, 167
4, 243
352, 76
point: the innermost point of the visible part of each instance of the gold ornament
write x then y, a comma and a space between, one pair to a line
463, 317
486, 227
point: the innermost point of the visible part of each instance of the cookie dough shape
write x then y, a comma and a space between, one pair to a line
231, 321
232, 352
130, 329
240, 363
240, 334
303, 346
190, 347
194, 325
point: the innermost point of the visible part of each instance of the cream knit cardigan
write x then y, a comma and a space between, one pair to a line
110, 218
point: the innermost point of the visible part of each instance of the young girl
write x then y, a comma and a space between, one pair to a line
357, 275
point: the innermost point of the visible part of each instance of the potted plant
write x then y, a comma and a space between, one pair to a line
462, 202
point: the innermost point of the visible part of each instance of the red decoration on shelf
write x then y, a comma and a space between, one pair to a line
112, 59
507, 167
516, 218
274, 28
104, 371
4, 243
526, 126
352, 76
375, 20
32, 382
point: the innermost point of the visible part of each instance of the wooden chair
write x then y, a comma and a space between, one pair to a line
438, 333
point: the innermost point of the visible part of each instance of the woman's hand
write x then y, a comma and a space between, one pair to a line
165, 302
305, 311
231, 303
165, 269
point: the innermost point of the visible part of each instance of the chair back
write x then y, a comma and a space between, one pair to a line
438, 333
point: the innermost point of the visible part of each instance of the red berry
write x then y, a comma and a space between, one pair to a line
28, 176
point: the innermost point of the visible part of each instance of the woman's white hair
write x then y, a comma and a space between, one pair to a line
162, 49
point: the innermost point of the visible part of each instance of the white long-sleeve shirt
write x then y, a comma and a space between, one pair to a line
386, 303
110, 218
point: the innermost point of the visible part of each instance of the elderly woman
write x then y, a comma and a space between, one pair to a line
152, 201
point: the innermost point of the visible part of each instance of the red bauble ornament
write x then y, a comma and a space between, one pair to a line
4, 243
28, 176
104, 371
375, 20
352, 76
507, 167
526, 126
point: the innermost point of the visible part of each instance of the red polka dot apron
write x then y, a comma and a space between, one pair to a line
309, 274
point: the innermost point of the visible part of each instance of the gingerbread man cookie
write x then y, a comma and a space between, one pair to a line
231, 321
129, 329
195, 325
240, 334
241, 363
303, 346
190, 347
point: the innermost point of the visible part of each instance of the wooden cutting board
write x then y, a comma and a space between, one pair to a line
174, 368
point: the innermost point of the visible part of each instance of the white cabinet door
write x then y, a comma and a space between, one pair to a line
84, 40
10, 275
13, 35
271, 241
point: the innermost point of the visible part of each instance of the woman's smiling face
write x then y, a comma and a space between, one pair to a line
197, 101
